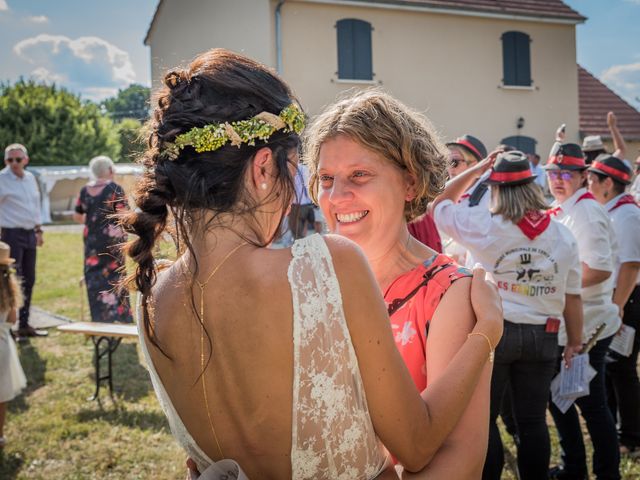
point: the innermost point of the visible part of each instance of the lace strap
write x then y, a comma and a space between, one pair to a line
332, 433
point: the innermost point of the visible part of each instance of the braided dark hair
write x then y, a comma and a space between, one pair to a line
218, 86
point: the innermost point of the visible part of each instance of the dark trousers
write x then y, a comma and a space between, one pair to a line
623, 386
23, 248
602, 430
524, 363
300, 218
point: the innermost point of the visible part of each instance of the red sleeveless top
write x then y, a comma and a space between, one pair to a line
410, 322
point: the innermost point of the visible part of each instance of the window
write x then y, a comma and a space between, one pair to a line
522, 143
516, 59
354, 49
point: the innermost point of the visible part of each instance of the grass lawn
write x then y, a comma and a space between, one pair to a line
55, 433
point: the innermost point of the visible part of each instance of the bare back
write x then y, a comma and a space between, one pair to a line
250, 383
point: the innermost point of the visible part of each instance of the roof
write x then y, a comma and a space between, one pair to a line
539, 9
551, 9
595, 100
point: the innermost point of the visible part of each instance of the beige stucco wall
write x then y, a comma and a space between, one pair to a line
184, 28
448, 66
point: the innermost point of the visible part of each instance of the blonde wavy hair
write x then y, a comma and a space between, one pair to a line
513, 202
384, 125
10, 291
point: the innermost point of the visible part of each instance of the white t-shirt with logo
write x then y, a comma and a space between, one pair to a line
626, 224
597, 246
533, 276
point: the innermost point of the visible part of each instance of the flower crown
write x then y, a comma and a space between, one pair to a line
211, 137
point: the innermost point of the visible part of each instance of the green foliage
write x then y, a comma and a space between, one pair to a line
132, 143
56, 126
132, 102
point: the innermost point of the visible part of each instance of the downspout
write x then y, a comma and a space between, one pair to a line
279, 37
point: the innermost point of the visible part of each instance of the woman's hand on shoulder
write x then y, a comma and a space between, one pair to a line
487, 305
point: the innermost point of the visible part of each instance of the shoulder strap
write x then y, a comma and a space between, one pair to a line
428, 275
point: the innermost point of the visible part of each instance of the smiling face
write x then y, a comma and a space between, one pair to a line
564, 183
362, 195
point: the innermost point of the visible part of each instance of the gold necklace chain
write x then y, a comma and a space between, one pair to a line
201, 286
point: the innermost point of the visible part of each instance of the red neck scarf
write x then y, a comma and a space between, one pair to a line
534, 223
624, 200
587, 195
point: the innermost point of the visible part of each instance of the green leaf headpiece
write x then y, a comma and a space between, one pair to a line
211, 137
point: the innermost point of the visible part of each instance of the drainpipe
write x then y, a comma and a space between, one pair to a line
279, 37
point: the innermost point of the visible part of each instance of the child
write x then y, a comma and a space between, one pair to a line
12, 379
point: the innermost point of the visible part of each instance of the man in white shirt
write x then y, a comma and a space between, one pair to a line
20, 223
608, 177
588, 221
635, 186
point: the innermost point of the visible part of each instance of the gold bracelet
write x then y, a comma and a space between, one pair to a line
491, 349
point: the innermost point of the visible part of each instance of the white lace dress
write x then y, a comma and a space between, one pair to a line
332, 434
12, 379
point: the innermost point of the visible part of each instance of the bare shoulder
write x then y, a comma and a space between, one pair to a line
345, 253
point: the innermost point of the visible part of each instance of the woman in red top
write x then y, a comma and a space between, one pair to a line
374, 166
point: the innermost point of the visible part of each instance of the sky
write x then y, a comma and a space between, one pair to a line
95, 47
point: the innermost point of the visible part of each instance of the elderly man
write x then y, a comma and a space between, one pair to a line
20, 224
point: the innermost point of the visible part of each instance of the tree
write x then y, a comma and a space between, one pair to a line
131, 142
132, 102
55, 125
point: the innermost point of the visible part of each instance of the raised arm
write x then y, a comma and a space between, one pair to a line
618, 141
411, 428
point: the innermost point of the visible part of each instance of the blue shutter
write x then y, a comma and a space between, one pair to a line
516, 59
523, 59
354, 49
509, 58
346, 49
521, 142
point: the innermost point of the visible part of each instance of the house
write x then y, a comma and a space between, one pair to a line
503, 70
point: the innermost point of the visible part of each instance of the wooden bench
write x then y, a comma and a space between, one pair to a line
106, 338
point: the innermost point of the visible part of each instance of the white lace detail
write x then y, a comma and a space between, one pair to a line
332, 434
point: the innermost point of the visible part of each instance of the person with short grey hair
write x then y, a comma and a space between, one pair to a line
98, 201
101, 167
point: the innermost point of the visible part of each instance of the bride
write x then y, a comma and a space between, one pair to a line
282, 360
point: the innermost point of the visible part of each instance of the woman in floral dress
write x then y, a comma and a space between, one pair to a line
97, 202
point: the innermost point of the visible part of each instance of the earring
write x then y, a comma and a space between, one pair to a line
263, 185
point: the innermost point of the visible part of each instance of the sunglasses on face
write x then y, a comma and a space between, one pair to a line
454, 162
555, 175
14, 159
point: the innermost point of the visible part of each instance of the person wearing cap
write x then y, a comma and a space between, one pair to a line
535, 264
577, 209
464, 153
20, 221
592, 145
607, 178
12, 378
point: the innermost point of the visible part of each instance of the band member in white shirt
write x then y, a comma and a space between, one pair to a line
608, 177
577, 209
536, 266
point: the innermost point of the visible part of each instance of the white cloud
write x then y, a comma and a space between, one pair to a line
624, 80
89, 65
3, 6
37, 19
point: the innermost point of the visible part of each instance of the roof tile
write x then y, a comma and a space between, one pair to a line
595, 100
